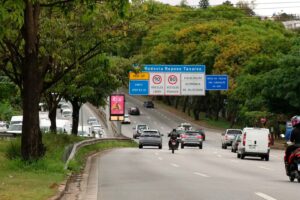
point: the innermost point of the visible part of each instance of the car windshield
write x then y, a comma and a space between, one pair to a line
234, 132
141, 127
150, 134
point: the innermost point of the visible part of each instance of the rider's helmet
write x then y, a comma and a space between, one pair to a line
295, 120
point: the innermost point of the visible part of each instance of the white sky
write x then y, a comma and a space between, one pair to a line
262, 7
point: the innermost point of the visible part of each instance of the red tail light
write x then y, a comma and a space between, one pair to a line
244, 139
199, 136
183, 136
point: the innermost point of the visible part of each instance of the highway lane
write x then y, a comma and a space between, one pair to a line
190, 173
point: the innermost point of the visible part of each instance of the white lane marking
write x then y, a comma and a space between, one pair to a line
264, 196
263, 167
174, 165
200, 174
220, 156
160, 158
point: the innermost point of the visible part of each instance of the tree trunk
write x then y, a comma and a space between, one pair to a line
185, 101
32, 147
75, 115
52, 117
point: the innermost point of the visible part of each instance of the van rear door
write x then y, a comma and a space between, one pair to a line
257, 140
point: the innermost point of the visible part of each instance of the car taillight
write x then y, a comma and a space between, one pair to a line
183, 136
244, 139
199, 136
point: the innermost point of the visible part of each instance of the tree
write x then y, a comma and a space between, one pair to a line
204, 4
26, 61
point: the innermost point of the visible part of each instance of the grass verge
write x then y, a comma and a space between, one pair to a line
38, 180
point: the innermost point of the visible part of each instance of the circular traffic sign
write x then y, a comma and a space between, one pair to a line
172, 79
157, 79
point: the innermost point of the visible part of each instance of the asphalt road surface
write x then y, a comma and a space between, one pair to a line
211, 173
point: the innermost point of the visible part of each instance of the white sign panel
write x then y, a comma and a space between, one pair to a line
172, 84
157, 84
192, 84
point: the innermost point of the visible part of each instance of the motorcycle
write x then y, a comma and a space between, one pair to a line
173, 145
293, 165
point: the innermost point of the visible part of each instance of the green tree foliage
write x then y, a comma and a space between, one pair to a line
204, 4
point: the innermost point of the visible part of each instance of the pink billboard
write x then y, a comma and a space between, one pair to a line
117, 104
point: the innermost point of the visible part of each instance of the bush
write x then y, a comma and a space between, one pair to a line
13, 150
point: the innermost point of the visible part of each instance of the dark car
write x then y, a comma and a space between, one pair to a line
235, 143
148, 104
201, 132
134, 111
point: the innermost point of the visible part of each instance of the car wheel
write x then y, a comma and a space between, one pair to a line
222, 146
225, 146
200, 146
267, 157
298, 180
140, 146
292, 178
238, 155
231, 149
159, 146
242, 156
182, 146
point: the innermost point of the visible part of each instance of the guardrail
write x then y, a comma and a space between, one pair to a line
72, 150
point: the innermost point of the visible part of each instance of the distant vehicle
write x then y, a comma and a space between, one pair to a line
134, 111
235, 143
97, 129
67, 113
138, 129
288, 130
185, 126
201, 132
64, 106
126, 119
148, 104
3, 126
254, 142
15, 129
18, 119
92, 120
63, 126
228, 137
191, 138
84, 131
150, 138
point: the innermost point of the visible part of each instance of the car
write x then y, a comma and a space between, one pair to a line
66, 113
185, 126
64, 106
134, 111
150, 137
254, 142
228, 137
92, 120
126, 119
148, 104
138, 130
191, 138
235, 143
201, 132
84, 131
3, 126
15, 129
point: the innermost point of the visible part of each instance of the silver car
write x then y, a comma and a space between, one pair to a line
191, 138
150, 138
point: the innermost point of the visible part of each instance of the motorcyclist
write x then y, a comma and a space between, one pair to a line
294, 140
173, 136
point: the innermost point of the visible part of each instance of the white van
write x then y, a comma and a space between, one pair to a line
254, 142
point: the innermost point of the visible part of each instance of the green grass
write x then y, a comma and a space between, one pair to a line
78, 162
38, 180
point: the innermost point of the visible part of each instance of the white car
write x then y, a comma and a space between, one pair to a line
15, 129
67, 113
126, 119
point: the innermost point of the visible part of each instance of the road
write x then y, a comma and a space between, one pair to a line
212, 173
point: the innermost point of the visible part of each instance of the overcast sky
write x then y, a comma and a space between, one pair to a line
262, 7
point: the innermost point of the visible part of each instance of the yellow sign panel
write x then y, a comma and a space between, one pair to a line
139, 76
